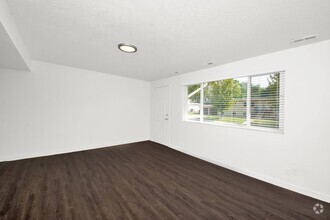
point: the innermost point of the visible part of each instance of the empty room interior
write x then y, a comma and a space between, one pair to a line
153, 109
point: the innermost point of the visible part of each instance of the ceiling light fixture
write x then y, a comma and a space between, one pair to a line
127, 48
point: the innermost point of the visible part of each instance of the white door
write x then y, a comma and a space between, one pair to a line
161, 116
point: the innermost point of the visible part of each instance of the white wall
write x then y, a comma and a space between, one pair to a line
299, 159
56, 109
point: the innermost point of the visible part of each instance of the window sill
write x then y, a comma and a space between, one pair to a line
237, 126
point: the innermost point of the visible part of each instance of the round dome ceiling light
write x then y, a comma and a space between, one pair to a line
127, 48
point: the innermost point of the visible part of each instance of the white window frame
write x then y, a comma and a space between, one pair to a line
248, 105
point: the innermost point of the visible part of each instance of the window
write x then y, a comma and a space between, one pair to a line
224, 101
266, 101
253, 101
194, 100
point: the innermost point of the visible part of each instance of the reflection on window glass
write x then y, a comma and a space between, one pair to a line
194, 98
265, 100
225, 101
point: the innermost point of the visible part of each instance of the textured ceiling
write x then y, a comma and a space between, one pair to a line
10, 58
172, 35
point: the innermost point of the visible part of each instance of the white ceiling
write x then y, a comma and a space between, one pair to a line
171, 35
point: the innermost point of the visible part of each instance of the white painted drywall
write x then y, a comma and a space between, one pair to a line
56, 109
299, 159
13, 53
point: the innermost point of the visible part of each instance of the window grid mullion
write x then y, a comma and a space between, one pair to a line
202, 104
248, 102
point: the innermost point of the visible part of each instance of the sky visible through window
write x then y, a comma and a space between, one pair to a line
262, 81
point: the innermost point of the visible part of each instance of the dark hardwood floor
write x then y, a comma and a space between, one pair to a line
141, 181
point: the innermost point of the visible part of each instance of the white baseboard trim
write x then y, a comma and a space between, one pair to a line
69, 150
276, 182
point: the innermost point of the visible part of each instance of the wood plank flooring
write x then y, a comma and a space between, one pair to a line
141, 181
